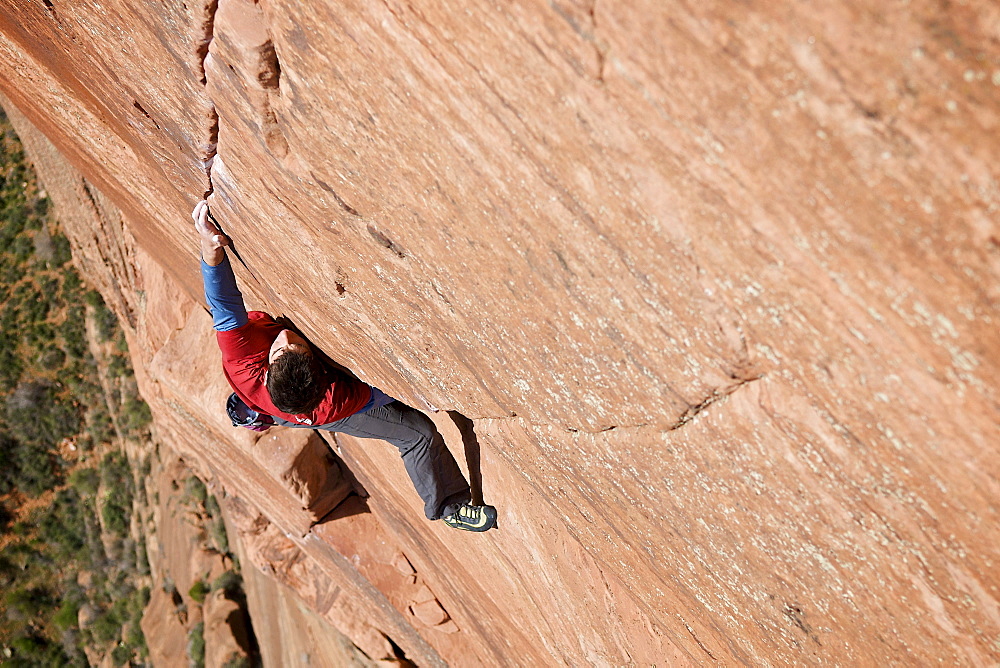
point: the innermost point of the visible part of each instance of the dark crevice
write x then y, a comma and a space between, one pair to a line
704, 649
213, 132
208, 31
715, 396
399, 656
796, 615
340, 200
211, 148
90, 197
145, 113
344, 205
269, 75
384, 241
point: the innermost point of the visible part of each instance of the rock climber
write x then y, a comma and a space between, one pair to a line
277, 374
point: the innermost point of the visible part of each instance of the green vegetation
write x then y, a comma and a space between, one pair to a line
216, 526
116, 478
237, 660
71, 573
195, 492
230, 582
198, 591
196, 645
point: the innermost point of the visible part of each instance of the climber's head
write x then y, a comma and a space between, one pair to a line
294, 378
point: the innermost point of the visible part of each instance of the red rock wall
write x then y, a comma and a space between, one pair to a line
716, 283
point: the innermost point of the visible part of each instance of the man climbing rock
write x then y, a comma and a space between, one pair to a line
275, 372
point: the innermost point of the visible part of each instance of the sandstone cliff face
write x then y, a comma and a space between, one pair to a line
716, 285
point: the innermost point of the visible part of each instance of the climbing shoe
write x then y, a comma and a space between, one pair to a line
472, 518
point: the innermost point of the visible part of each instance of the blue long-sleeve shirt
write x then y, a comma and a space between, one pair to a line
223, 296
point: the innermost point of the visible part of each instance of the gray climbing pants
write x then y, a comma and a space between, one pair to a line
428, 462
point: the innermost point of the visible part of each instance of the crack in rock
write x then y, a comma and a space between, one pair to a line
697, 640
208, 32
201, 53
586, 33
716, 395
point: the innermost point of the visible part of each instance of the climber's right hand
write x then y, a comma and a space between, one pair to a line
212, 237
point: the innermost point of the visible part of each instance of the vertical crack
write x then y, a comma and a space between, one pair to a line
207, 31
210, 149
600, 48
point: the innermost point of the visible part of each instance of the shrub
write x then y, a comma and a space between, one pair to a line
104, 318
119, 366
136, 415
33, 649
14, 220
115, 471
52, 358
10, 472
141, 559
73, 333
62, 524
139, 601
99, 425
22, 247
34, 469
48, 285
117, 509
195, 491
11, 273
217, 530
121, 655
115, 516
198, 591
40, 336
61, 253
72, 286
29, 601
66, 616
37, 416
106, 627
41, 207
85, 481
196, 645
230, 582
8, 570
10, 364
22, 404
5, 517
212, 507
237, 660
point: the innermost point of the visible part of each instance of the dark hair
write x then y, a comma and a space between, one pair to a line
295, 382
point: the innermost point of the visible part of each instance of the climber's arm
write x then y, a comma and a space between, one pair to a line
222, 295
213, 241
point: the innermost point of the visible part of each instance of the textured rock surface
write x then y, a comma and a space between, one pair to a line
717, 286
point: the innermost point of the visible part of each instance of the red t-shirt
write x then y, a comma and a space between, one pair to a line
244, 361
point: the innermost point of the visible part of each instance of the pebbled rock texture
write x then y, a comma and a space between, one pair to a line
710, 288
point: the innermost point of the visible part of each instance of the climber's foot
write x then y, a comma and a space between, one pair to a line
472, 518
